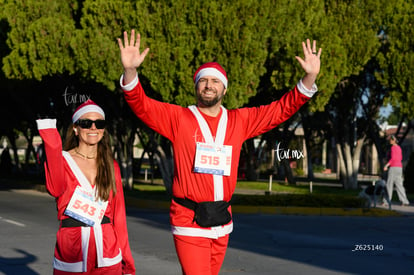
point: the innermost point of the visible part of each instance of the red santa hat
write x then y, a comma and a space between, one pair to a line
87, 107
211, 69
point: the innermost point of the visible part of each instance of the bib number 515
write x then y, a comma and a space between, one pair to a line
210, 160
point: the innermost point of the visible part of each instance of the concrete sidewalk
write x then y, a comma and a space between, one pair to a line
404, 210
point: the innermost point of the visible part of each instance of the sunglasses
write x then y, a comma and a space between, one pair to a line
87, 123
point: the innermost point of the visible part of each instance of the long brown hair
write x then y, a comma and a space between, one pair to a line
105, 176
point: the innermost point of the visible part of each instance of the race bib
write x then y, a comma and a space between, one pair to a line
213, 159
85, 208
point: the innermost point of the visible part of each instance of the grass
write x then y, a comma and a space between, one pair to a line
149, 187
254, 185
283, 188
282, 194
146, 190
332, 195
297, 195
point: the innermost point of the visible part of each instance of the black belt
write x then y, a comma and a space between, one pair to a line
71, 222
190, 204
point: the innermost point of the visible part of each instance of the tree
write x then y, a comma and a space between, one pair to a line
37, 59
289, 24
186, 34
339, 27
397, 61
256, 44
39, 43
355, 105
348, 55
397, 58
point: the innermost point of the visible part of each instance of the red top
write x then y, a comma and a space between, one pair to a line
72, 245
180, 126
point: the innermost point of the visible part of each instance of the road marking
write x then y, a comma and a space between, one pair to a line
13, 222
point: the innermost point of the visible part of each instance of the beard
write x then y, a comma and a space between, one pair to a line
209, 102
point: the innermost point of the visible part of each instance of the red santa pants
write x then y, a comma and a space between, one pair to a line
199, 255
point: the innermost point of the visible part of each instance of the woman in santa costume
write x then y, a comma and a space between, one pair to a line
206, 140
86, 182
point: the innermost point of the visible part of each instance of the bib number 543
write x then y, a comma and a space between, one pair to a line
87, 209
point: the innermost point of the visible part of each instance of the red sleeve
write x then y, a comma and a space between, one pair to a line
120, 225
54, 165
266, 117
159, 116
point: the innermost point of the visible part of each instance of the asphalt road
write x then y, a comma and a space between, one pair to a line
260, 244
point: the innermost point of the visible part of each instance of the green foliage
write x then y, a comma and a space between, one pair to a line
95, 47
318, 168
183, 35
293, 25
39, 43
299, 172
395, 116
350, 40
255, 43
53, 37
397, 56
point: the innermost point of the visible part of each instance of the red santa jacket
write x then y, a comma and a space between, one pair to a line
181, 127
72, 245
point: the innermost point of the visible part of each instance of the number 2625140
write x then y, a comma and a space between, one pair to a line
368, 247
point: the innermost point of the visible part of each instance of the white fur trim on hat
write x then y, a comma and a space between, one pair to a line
211, 72
90, 108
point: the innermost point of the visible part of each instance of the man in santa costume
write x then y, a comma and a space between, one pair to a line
207, 140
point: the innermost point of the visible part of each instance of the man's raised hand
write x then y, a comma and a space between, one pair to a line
131, 57
312, 58
311, 63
